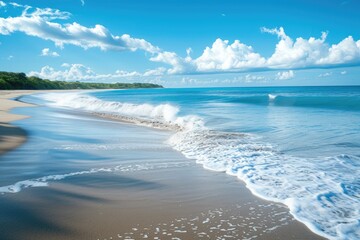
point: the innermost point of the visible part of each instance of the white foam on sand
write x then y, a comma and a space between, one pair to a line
46, 180
320, 192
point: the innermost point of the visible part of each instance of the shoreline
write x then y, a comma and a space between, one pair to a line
11, 136
155, 202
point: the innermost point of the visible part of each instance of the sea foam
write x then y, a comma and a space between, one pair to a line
272, 97
159, 116
315, 189
45, 180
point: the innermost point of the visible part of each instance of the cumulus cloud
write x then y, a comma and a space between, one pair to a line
40, 23
296, 54
47, 52
347, 51
155, 72
2, 4
221, 56
179, 64
79, 72
285, 75
224, 56
312, 52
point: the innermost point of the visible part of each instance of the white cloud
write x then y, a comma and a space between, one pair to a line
179, 65
47, 14
347, 51
82, 2
47, 52
188, 53
65, 65
224, 57
253, 78
221, 56
343, 72
2, 4
79, 72
10, 57
121, 74
155, 72
39, 23
279, 32
301, 53
285, 75
312, 52
14, 4
188, 81
327, 74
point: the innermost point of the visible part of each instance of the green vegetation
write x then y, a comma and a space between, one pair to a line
19, 81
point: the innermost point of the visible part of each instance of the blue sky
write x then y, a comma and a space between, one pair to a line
183, 43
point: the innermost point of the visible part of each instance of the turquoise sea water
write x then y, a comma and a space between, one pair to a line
296, 145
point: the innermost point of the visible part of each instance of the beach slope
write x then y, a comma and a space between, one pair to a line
11, 136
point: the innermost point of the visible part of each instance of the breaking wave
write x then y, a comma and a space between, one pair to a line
316, 190
160, 116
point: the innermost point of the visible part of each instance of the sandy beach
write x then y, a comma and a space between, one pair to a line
11, 136
170, 198
179, 120
173, 203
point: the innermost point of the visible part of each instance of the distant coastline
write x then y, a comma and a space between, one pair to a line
19, 81
13, 85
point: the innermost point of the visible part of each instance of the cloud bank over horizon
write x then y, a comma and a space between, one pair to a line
223, 56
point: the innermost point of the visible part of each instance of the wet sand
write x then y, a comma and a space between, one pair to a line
173, 203
11, 136
179, 201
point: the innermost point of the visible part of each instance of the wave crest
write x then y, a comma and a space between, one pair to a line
315, 190
272, 97
163, 116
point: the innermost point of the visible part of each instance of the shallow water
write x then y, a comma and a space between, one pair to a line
297, 146
64, 144
83, 177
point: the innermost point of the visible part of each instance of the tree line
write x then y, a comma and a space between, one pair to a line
19, 81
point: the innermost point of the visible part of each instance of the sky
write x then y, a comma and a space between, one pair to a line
184, 43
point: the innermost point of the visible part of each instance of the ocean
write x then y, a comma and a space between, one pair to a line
299, 146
